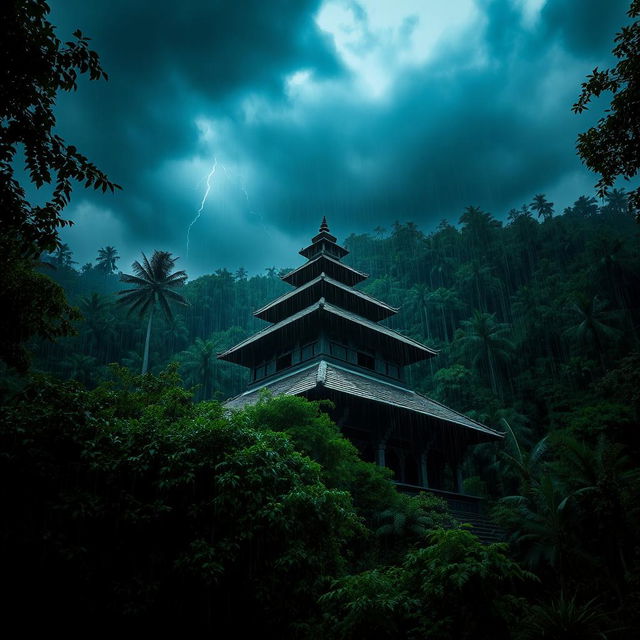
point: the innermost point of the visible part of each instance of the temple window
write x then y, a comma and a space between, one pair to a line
309, 350
338, 351
283, 362
366, 360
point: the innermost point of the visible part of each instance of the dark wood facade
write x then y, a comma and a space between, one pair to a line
325, 341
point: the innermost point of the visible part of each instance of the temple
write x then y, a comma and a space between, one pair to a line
325, 340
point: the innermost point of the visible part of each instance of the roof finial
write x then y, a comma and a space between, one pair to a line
324, 226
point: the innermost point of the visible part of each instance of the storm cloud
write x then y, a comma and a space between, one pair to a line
366, 111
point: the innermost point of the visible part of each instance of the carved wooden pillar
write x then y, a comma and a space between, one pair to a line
457, 478
424, 470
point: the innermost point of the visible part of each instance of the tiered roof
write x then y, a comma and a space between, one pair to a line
324, 294
302, 326
324, 297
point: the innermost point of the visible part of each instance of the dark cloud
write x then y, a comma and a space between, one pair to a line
585, 27
486, 120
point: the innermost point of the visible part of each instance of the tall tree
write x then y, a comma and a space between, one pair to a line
584, 207
592, 325
198, 363
542, 206
418, 299
107, 258
36, 65
484, 341
617, 202
154, 283
98, 322
611, 148
62, 257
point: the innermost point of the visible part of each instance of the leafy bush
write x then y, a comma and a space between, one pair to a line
455, 587
135, 507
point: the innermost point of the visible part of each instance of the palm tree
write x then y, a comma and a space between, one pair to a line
380, 232
107, 258
540, 525
585, 207
80, 367
518, 214
97, 323
477, 277
198, 363
63, 256
599, 480
592, 325
478, 226
527, 466
445, 300
154, 281
542, 206
483, 340
418, 300
617, 202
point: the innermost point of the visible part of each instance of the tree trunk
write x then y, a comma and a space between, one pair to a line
492, 375
145, 359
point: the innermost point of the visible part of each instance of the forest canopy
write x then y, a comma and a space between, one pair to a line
137, 502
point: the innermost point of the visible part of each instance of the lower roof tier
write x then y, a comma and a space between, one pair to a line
327, 376
307, 324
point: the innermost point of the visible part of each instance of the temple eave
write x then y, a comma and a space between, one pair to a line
328, 265
304, 323
322, 377
332, 290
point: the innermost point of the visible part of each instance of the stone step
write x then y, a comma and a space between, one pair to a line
481, 526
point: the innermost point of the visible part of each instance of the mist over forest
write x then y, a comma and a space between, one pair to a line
433, 432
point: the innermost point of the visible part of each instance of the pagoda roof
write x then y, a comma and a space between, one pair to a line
333, 291
323, 245
324, 264
386, 339
338, 379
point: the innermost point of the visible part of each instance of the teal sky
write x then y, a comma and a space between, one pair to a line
366, 111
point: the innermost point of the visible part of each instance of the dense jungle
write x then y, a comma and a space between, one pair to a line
133, 502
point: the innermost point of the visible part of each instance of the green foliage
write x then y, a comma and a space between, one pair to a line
567, 619
314, 434
36, 66
610, 148
455, 587
39, 65
408, 522
33, 306
483, 341
575, 519
138, 508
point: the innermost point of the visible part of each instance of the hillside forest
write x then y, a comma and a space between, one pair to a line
535, 320
134, 502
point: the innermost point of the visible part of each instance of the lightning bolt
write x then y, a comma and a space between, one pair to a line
204, 200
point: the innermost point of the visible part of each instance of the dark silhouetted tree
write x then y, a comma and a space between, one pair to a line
154, 283
611, 148
542, 206
107, 258
36, 65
